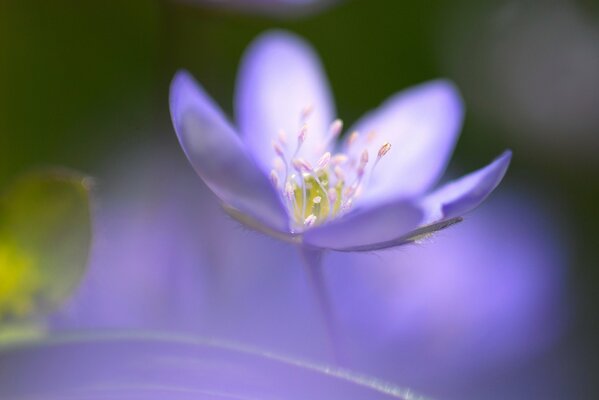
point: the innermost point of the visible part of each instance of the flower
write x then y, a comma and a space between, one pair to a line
284, 173
443, 318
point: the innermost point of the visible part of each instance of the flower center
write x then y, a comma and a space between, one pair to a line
316, 193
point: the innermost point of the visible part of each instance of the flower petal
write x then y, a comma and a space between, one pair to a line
422, 125
363, 228
218, 155
279, 77
462, 195
153, 366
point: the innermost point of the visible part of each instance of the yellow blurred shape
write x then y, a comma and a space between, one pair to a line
19, 282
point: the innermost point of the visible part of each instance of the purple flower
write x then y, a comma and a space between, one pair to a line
284, 172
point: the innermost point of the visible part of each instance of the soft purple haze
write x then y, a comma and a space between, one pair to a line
469, 301
486, 296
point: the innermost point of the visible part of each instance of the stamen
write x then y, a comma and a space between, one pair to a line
336, 128
334, 180
301, 138
364, 158
301, 165
310, 220
352, 138
363, 162
332, 193
280, 152
278, 149
334, 131
323, 162
289, 192
306, 112
302, 134
381, 153
274, 178
298, 167
339, 159
352, 190
384, 150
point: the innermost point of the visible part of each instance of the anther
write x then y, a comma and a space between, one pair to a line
301, 165
274, 178
310, 220
278, 149
363, 162
317, 200
352, 138
384, 150
301, 138
336, 127
323, 162
338, 159
339, 174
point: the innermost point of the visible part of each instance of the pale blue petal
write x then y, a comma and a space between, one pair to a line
422, 125
462, 195
279, 77
365, 227
218, 155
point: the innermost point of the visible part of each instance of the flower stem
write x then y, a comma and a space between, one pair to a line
312, 260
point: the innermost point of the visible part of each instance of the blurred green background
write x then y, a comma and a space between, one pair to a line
84, 83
